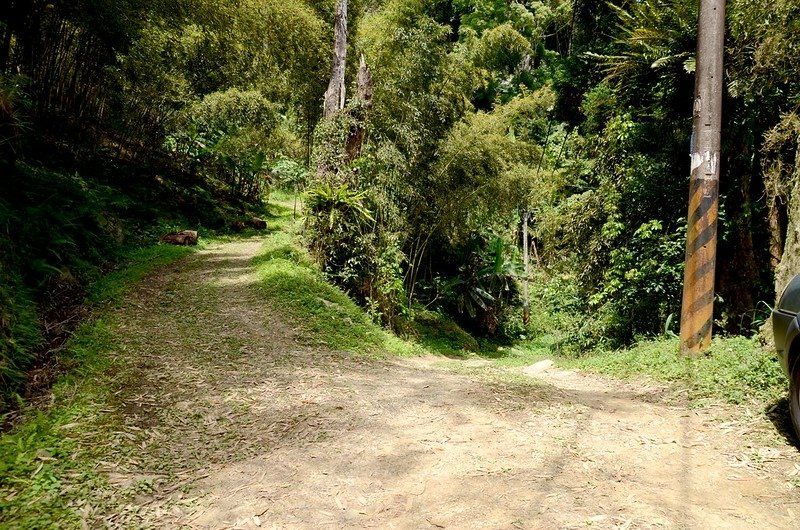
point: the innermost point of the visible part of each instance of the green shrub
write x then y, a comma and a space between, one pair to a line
354, 251
233, 136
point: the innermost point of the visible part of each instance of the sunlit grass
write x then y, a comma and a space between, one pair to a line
735, 369
135, 265
325, 315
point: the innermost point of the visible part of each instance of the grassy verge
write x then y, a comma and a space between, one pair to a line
136, 264
327, 316
50, 474
734, 370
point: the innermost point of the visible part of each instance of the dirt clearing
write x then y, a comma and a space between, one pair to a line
242, 425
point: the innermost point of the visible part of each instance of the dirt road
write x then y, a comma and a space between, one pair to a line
241, 425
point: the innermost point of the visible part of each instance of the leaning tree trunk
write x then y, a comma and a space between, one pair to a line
790, 258
776, 216
335, 95
781, 167
782, 182
790, 262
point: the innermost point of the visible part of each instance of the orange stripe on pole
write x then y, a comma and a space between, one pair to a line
698, 293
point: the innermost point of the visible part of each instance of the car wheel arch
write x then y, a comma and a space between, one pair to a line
793, 359
792, 346
793, 354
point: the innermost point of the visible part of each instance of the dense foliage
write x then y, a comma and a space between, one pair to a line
579, 114
573, 114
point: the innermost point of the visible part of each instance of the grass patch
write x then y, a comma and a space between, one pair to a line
50, 462
135, 265
734, 369
439, 334
291, 280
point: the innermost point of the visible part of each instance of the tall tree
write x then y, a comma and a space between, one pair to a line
335, 95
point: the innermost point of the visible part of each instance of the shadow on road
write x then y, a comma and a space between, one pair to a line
778, 414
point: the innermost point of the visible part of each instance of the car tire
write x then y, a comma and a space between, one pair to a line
794, 399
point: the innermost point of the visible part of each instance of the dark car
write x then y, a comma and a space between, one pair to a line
786, 326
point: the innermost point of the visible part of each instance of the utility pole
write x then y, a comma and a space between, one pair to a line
697, 312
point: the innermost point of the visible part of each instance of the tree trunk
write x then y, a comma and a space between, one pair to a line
359, 113
790, 262
776, 226
5, 48
365, 84
186, 237
335, 95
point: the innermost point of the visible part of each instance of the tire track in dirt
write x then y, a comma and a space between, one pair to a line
244, 426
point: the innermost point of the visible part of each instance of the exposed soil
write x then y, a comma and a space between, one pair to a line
242, 425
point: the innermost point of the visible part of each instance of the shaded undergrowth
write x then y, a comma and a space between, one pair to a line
62, 230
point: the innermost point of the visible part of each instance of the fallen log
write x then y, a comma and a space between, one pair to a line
185, 237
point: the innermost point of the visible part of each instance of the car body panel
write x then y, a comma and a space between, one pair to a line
785, 328
785, 324
789, 301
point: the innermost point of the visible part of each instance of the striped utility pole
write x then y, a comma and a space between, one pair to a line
697, 313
